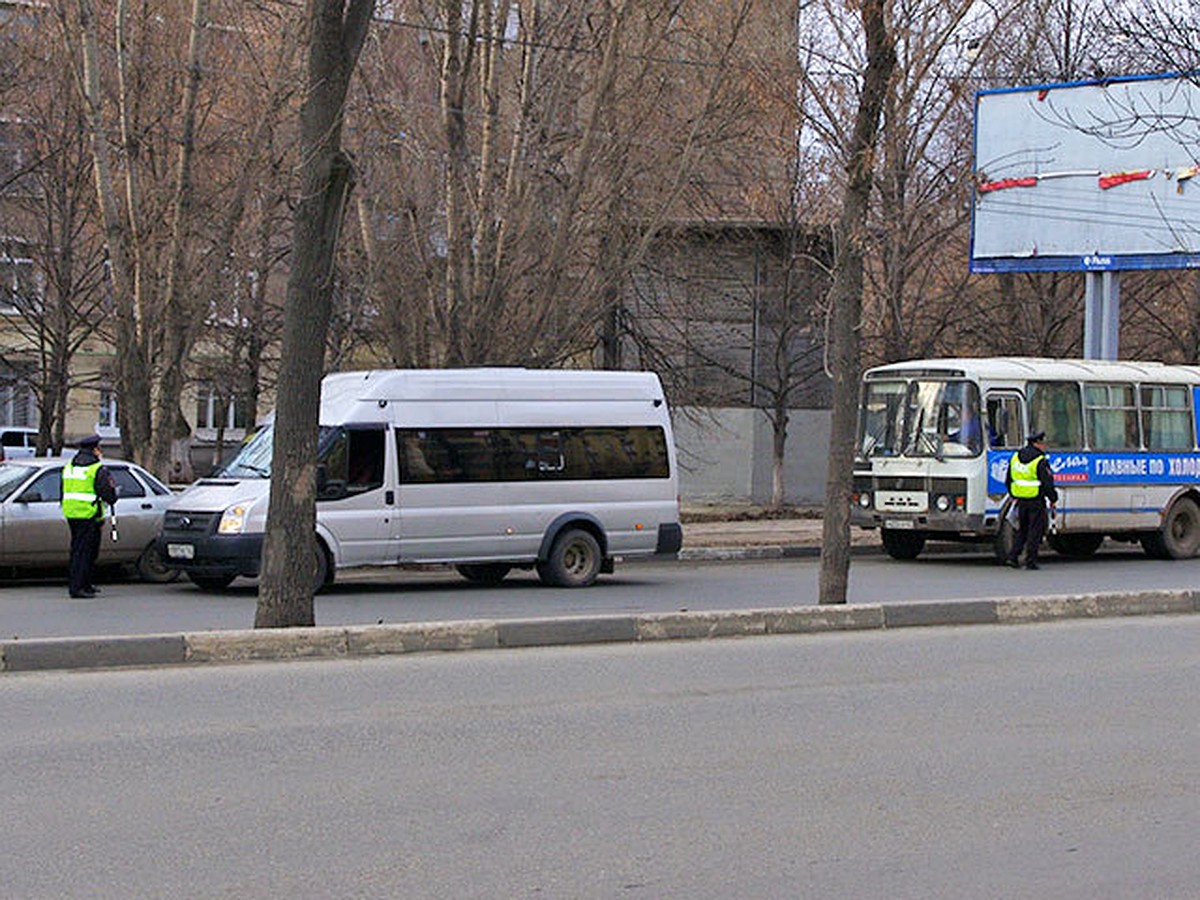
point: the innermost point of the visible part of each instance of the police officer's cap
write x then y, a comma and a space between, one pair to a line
92, 440
1037, 437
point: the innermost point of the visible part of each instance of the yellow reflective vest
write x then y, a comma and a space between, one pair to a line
79, 498
1025, 484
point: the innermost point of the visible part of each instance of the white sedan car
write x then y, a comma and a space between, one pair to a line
33, 532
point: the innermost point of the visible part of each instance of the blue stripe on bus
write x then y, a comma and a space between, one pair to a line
1088, 468
1094, 510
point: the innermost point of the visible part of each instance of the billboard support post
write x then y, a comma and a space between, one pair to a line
1101, 314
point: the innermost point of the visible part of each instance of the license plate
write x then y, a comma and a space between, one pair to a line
181, 551
899, 523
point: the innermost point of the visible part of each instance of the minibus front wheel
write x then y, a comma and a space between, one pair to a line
574, 559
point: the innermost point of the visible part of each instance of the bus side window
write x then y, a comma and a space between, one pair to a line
1004, 422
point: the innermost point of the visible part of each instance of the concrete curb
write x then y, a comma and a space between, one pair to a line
43, 654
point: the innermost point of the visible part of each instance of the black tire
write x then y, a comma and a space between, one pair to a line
484, 573
324, 575
152, 568
1179, 537
211, 582
1077, 546
902, 544
574, 560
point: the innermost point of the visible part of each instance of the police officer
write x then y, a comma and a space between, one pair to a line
86, 488
1031, 483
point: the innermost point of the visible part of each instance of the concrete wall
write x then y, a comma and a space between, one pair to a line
725, 455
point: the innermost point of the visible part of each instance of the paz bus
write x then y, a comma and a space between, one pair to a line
935, 438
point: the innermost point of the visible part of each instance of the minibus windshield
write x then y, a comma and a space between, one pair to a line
254, 459
920, 418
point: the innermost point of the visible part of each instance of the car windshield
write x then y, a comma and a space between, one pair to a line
11, 477
920, 418
254, 459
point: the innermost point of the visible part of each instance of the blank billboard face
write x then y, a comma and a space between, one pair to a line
1087, 177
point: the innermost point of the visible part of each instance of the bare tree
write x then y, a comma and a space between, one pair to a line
336, 31
850, 241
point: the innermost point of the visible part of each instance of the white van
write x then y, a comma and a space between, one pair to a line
484, 469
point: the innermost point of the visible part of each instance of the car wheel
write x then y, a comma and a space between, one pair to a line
151, 567
574, 560
211, 582
324, 574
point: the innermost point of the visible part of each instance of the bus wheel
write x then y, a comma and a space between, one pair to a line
1079, 546
1005, 536
902, 544
484, 573
574, 560
1179, 537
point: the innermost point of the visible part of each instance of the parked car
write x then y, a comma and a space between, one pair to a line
18, 442
33, 532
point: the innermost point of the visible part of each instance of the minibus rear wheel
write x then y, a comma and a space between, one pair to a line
574, 560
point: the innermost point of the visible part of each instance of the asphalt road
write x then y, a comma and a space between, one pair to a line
1045, 761
31, 609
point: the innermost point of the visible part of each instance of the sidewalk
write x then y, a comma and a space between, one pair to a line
745, 532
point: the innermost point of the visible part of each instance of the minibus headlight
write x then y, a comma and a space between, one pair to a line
233, 520
943, 503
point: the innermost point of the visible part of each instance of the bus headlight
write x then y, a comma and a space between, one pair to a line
864, 500
233, 520
942, 503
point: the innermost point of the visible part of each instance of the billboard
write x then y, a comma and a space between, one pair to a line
1088, 176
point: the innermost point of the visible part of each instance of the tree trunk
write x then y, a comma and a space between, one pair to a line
180, 319
846, 303
132, 371
336, 33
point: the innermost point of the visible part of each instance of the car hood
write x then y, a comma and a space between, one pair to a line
217, 494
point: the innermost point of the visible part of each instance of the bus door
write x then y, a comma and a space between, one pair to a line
1005, 436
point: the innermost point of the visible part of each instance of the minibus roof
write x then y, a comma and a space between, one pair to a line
342, 388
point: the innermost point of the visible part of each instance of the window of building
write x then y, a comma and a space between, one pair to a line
215, 409
18, 406
106, 415
18, 278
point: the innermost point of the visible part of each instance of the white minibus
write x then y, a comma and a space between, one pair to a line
484, 469
935, 438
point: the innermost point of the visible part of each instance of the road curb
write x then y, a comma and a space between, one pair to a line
345, 642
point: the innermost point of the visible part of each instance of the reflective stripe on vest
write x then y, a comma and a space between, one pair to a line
1025, 482
79, 500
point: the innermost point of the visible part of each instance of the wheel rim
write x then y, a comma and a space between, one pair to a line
577, 559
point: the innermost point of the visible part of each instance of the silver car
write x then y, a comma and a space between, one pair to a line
33, 532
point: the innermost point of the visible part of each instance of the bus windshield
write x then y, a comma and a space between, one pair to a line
934, 418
